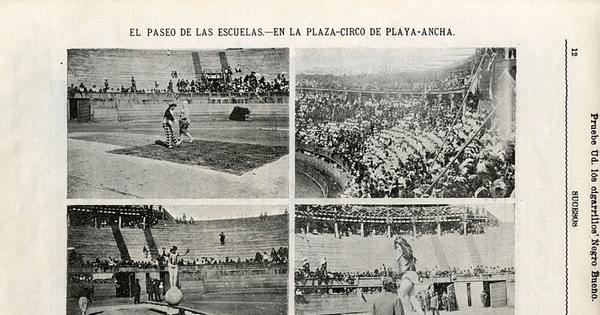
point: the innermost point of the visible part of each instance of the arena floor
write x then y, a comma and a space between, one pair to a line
94, 173
217, 304
306, 187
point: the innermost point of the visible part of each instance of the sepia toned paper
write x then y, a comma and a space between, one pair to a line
556, 233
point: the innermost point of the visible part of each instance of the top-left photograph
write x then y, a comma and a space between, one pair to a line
177, 123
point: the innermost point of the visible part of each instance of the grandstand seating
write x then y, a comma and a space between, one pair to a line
135, 241
92, 66
91, 242
360, 254
497, 245
258, 60
209, 59
244, 237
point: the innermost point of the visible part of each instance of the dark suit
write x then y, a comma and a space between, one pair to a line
388, 304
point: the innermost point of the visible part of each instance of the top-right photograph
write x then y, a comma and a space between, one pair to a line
405, 122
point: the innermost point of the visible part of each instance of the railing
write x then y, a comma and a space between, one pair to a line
324, 153
304, 162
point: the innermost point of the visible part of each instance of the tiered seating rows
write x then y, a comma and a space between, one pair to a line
91, 243
497, 246
135, 241
266, 62
244, 237
92, 66
358, 254
209, 60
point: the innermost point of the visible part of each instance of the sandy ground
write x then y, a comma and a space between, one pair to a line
94, 173
215, 303
306, 187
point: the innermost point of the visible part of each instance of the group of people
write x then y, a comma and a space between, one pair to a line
452, 219
205, 84
248, 83
400, 147
109, 263
459, 78
396, 298
169, 122
277, 256
107, 220
472, 271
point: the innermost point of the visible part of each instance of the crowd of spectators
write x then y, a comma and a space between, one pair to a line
108, 220
394, 147
276, 256
449, 81
472, 271
347, 229
323, 277
224, 82
109, 263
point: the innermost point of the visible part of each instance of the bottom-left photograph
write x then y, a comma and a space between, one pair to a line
177, 259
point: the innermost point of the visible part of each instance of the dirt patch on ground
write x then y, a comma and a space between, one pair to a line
233, 158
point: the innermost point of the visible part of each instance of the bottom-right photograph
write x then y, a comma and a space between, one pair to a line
405, 259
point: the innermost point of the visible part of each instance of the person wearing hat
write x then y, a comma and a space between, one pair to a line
388, 303
184, 120
173, 264
167, 124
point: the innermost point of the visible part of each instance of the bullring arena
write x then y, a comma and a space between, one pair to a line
342, 253
405, 123
112, 247
238, 103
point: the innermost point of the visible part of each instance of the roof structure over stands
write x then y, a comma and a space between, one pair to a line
356, 213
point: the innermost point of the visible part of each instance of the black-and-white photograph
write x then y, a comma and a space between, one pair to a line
405, 259
405, 122
148, 259
178, 123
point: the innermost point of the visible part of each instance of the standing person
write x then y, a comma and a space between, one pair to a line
408, 269
167, 123
388, 303
173, 264
222, 238
484, 298
434, 304
149, 290
85, 301
137, 289
133, 86
445, 301
184, 120
160, 291
324, 264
